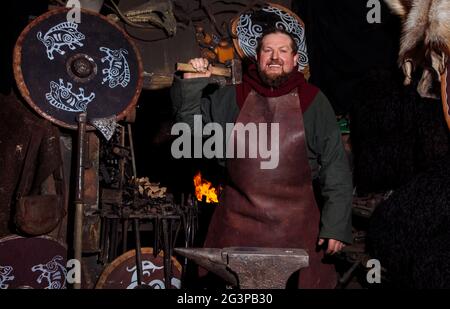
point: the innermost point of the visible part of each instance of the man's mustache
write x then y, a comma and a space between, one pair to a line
275, 62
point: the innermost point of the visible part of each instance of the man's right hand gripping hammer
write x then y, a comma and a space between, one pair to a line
201, 68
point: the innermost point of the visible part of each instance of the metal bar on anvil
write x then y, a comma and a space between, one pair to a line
250, 267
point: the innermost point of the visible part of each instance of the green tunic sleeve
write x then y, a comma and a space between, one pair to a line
186, 95
329, 163
197, 97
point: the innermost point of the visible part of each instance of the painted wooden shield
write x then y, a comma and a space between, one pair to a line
35, 262
63, 68
122, 273
445, 88
249, 26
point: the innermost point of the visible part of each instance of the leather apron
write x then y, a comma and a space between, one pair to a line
272, 207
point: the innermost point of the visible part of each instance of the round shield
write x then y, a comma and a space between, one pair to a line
249, 26
122, 272
63, 68
36, 262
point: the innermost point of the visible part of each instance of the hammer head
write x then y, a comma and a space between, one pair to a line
234, 76
236, 71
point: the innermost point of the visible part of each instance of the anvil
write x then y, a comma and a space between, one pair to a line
250, 267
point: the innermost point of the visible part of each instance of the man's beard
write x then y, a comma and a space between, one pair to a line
273, 81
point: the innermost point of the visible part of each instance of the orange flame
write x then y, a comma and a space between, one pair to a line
204, 188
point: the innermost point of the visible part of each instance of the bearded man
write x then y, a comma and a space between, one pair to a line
277, 207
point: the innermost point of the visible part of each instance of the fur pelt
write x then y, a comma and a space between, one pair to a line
425, 41
409, 233
395, 133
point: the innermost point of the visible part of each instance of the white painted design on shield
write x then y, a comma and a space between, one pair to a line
118, 72
53, 272
63, 34
248, 34
5, 275
147, 269
62, 97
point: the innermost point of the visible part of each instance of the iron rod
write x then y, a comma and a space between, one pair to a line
79, 191
138, 251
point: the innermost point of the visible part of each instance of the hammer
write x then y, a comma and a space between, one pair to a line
230, 75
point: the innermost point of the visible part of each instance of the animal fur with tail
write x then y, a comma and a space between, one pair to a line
425, 41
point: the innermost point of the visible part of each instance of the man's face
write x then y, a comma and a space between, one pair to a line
276, 57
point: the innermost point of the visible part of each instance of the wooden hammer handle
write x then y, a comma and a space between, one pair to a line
186, 67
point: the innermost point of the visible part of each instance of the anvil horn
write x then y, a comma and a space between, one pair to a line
211, 260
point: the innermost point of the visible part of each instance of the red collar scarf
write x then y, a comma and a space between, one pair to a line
251, 80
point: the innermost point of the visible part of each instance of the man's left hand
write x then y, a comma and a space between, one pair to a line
334, 246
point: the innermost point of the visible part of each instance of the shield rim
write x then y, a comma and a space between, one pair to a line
46, 237
125, 256
24, 91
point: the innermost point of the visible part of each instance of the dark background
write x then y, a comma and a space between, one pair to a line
343, 46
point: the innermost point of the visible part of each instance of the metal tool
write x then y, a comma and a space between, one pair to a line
250, 267
79, 191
